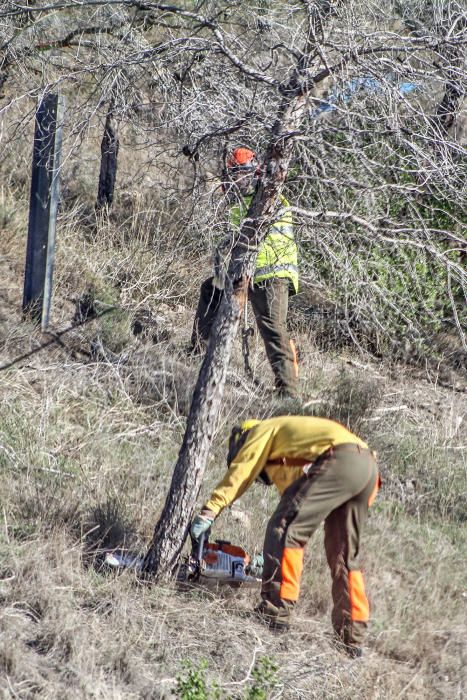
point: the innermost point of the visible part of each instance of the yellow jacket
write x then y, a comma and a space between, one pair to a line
268, 446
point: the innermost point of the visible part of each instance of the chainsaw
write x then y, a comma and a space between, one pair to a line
209, 563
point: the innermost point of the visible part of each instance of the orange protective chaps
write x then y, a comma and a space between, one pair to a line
338, 489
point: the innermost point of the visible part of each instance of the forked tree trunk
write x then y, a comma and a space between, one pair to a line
171, 530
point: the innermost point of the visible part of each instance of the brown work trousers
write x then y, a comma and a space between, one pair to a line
338, 488
269, 300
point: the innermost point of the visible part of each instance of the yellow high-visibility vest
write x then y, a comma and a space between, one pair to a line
277, 255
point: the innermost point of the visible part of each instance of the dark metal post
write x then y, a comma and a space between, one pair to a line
43, 205
109, 159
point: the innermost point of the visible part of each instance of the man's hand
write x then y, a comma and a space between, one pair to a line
199, 526
256, 566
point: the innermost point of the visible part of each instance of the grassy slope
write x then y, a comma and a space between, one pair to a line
86, 448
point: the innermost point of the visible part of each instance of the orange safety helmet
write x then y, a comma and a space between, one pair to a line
242, 157
242, 171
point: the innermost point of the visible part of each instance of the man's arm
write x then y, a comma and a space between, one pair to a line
245, 468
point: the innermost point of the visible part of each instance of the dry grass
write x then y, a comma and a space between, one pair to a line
86, 448
80, 448
68, 631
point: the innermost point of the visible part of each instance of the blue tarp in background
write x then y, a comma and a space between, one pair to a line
364, 84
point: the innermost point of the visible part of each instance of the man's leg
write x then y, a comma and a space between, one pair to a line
208, 304
270, 303
332, 481
343, 528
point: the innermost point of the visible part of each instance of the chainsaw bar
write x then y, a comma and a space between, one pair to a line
218, 563
123, 559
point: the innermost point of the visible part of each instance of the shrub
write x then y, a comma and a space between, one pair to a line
193, 685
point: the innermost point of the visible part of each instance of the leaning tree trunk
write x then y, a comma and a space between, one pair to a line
109, 159
172, 528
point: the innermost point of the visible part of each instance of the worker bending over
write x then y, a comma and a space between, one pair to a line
323, 473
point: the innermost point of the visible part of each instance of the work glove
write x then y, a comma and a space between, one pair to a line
199, 526
256, 566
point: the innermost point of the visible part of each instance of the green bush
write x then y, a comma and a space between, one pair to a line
387, 257
193, 684
264, 679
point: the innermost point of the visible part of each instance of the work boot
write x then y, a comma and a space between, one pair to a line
269, 615
353, 651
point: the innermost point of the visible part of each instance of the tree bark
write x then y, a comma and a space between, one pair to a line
109, 159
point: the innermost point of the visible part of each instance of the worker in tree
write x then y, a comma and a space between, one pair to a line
323, 473
276, 273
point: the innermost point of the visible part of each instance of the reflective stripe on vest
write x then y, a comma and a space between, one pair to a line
277, 256
269, 269
283, 229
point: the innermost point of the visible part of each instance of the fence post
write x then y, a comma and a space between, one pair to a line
109, 159
43, 205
